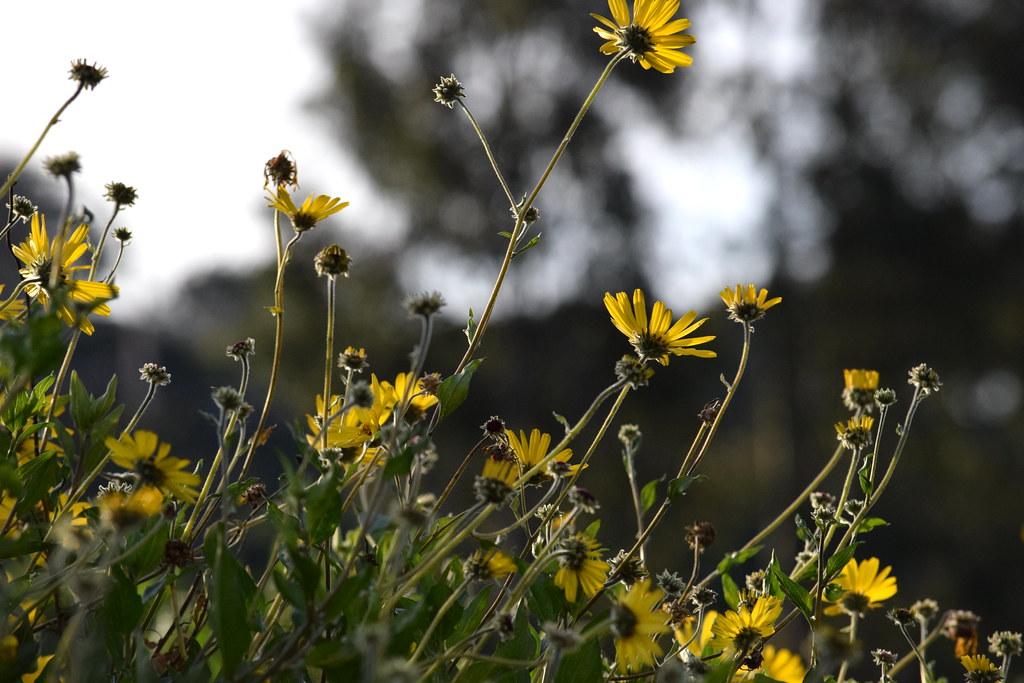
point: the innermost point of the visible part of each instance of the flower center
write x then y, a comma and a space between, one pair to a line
624, 621
855, 602
650, 346
575, 554
636, 39
149, 473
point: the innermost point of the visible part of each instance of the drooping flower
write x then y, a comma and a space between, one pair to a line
123, 510
637, 623
864, 587
742, 629
651, 37
656, 337
581, 566
312, 211
153, 465
531, 450
37, 255
747, 304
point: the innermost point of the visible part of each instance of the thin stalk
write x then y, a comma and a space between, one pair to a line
328, 356
853, 637
487, 150
441, 611
525, 206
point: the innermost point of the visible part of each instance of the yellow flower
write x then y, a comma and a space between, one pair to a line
41, 663
657, 337
530, 451
856, 432
741, 630
746, 304
358, 425
37, 254
312, 211
501, 468
419, 400
650, 38
153, 466
484, 565
861, 379
11, 309
637, 624
780, 665
581, 566
864, 587
980, 669
121, 510
684, 633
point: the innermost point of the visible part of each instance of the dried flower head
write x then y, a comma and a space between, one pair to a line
177, 553
925, 610
901, 616
21, 208
121, 194
361, 394
493, 427
448, 91
123, 235
925, 379
227, 398
63, 165
630, 435
700, 535
332, 261
255, 495
884, 658
490, 490
671, 583
353, 359
281, 170
155, 374
86, 75
885, 397
241, 350
425, 304
628, 568
582, 499
1005, 644
855, 434
560, 638
531, 216
709, 412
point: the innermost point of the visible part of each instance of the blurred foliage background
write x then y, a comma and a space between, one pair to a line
881, 147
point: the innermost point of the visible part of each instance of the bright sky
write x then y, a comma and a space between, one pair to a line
201, 95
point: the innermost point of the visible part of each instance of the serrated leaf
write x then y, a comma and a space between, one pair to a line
454, 390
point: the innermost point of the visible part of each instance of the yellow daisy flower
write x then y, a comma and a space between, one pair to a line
864, 587
531, 450
650, 37
122, 510
484, 565
684, 633
861, 379
741, 630
358, 425
637, 623
581, 567
747, 304
859, 389
37, 254
500, 468
856, 432
980, 669
657, 337
12, 309
420, 400
153, 465
778, 664
312, 211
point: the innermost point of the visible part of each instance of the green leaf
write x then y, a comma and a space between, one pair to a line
863, 477
470, 330
229, 591
400, 464
529, 245
472, 614
546, 600
560, 419
649, 494
506, 234
869, 523
581, 665
736, 558
761, 678
796, 593
453, 391
322, 506
122, 607
839, 560
677, 487
730, 591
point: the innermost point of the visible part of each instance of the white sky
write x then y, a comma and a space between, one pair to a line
201, 95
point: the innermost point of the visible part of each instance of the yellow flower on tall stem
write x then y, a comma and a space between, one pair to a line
684, 633
312, 211
742, 629
651, 37
656, 337
747, 304
531, 450
864, 587
637, 623
153, 465
37, 255
581, 566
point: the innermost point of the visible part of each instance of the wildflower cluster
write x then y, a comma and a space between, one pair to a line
128, 562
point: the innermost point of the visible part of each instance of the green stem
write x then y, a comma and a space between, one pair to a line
328, 356
441, 611
487, 150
